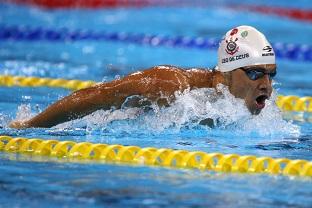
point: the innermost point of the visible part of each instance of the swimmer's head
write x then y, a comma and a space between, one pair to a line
248, 61
244, 46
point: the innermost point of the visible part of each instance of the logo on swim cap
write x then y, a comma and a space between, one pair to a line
248, 48
234, 31
267, 49
231, 47
244, 34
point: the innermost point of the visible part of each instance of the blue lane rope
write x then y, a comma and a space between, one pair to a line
296, 52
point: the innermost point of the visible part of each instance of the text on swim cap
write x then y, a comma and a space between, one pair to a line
268, 54
234, 58
268, 51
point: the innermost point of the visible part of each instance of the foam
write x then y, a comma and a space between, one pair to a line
24, 112
188, 110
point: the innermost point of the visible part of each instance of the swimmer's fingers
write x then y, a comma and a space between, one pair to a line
18, 124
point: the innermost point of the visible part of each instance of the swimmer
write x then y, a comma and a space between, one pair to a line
246, 64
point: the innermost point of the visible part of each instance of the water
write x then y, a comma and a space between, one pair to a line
57, 183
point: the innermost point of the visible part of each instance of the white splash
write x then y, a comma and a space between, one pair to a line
24, 112
189, 109
4, 120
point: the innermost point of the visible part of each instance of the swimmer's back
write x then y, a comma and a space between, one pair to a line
182, 78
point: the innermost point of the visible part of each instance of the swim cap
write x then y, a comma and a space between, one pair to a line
244, 46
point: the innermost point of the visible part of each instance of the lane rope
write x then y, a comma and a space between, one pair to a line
56, 4
285, 103
293, 13
294, 103
20, 81
298, 52
133, 155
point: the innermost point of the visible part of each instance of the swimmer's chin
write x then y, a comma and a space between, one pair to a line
258, 105
255, 109
255, 112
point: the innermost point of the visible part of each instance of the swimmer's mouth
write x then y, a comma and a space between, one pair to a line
260, 101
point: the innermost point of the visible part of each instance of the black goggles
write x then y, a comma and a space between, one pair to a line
255, 73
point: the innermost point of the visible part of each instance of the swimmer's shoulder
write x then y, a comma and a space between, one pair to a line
195, 77
200, 77
167, 68
189, 72
160, 72
164, 72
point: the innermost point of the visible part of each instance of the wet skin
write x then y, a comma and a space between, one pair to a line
254, 92
158, 84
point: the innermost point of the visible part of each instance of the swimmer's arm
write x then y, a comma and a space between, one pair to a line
149, 84
77, 105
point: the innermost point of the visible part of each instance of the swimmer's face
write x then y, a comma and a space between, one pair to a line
253, 84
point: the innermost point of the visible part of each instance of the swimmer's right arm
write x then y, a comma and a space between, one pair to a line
150, 83
76, 105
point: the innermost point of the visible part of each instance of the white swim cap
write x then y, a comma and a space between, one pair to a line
244, 46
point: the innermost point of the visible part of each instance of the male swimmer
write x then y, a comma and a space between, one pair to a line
246, 64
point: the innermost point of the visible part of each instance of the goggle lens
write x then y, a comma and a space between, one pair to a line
255, 74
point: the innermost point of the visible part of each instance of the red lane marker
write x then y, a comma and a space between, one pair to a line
298, 14
55, 4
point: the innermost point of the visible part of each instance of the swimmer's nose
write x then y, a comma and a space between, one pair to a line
265, 84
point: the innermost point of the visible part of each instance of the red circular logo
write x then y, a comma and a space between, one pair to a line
234, 31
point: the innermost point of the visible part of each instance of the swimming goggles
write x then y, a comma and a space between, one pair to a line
255, 73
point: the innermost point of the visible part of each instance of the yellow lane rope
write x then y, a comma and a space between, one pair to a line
151, 156
19, 81
294, 103
285, 103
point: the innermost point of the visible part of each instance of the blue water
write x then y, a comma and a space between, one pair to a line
55, 183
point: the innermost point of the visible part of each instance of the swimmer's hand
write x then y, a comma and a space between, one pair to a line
19, 124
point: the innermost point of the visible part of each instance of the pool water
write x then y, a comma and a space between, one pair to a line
52, 182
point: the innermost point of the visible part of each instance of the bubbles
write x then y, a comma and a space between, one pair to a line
218, 108
4, 120
269, 122
24, 112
